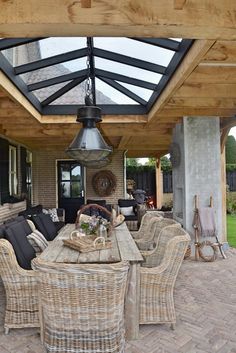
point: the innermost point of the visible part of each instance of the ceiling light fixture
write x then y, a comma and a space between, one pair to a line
88, 147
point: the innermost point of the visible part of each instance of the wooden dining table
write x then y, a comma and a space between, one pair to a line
123, 249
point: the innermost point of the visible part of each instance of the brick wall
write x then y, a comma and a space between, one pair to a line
45, 184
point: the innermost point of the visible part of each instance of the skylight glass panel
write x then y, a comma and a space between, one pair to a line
44, 93
127, 70
141, 92
55, 46
111, 95
54, 71
44, 48
136, 49
74, 96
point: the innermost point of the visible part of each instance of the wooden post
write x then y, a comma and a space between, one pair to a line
159, 184
196, 230
223, 188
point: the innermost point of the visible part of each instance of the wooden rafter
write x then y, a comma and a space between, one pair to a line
215, 19
179, 4
195, 55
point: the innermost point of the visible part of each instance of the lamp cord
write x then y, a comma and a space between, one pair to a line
89, 99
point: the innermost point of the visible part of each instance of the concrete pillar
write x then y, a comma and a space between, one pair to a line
197, 170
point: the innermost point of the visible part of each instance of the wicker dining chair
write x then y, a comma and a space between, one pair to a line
157, 283
150, 238
82, 306
21, 290
145, 224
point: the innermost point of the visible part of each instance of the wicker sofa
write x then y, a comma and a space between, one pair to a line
16, 254
18, 279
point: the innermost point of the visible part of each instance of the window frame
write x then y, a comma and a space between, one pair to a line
13, 172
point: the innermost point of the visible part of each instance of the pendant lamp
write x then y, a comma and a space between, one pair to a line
89, 147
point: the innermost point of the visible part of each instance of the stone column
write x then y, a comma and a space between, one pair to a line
196, 151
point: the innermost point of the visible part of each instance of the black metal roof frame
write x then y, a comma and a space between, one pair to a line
110, 78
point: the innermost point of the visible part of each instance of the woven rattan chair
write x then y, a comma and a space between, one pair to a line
145, 224
153, 258
157, 283
82, 306
150, 239
21, 291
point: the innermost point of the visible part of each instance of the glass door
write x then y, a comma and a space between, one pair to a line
70, 188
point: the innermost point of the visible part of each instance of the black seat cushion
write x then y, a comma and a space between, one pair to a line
131, 218
17, 236
93, 211
127, 203
16, 219
2, 231
45, 225
59, 225
98, 202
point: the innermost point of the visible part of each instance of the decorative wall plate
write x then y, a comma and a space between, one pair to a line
104, 183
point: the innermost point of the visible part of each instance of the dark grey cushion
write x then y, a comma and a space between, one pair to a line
126, 203
2, 231
45, 225
59, 225
98, 202
17, 236
16, 219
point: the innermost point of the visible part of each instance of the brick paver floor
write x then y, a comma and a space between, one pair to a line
205, 297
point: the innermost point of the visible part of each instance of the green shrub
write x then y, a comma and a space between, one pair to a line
230, 202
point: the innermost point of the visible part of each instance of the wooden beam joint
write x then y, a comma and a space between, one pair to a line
179, 4
86, 4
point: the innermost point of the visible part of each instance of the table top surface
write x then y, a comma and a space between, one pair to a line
123, 248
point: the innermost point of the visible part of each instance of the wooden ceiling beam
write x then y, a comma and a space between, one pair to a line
145, 154
147, 147
112, 119
136, 18
222, 52
212, 90
189, 63
191, 111
201, 102
11, 90
179, 4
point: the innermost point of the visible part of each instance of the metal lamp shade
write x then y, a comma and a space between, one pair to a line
89, 145
97, 164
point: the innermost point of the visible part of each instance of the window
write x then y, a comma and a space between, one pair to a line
29, 175
12, 170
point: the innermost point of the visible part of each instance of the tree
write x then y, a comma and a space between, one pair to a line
132, 162
165, 163
230, 150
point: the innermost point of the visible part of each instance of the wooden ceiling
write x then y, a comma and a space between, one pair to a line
203, 85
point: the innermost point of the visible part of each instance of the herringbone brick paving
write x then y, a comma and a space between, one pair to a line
205, 301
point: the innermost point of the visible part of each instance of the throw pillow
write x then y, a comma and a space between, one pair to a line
31, 224
127, 211
53, 214
38, 241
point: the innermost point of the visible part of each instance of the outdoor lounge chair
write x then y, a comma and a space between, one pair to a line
145, 224
21, 290
157, 283
82, 306
150, 237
